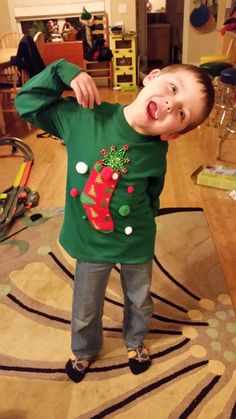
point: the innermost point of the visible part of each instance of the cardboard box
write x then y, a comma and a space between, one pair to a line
221, 177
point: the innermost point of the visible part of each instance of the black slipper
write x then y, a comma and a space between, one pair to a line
76, 369
139, 360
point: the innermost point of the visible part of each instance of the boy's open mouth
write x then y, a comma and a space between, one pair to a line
153, 110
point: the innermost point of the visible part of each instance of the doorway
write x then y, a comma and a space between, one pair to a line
159, 33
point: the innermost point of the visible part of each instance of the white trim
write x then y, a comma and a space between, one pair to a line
107, 8
54, 11
185, 47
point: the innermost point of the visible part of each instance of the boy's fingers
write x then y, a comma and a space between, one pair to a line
85, 90
96, 93
84, 95
78, 94
93, 95
90, 92
80, 90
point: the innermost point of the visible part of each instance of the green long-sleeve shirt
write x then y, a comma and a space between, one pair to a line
119, 186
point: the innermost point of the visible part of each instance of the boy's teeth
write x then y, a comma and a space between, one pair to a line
156, 115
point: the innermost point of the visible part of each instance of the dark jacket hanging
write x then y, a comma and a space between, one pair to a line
28, 57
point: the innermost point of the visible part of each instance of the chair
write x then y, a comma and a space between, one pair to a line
228, 80
26, 63
214, 64
9, 42
9, 74
39, 39
214, 58
225, 96
230, 129
10, 39
214, 69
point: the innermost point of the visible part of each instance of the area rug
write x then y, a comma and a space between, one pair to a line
192, 338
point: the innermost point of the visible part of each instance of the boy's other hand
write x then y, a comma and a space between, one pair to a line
85, 89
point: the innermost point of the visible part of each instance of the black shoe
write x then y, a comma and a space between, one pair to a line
139, 360
76, 368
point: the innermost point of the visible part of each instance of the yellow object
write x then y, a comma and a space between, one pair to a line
124, 61
19, 175
221, 177
212, 58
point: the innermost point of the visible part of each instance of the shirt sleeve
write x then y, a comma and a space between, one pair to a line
155, 186
39, 100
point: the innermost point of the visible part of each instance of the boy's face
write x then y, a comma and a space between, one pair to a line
167, 104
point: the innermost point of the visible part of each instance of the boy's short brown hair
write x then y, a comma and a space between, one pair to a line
206, 87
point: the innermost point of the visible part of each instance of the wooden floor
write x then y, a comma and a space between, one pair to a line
184, 157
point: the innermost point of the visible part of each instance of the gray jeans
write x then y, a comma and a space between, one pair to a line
88, 300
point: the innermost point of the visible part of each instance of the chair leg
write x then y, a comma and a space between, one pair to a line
223, 138
229, 129
222, 121
216, 115
2, 120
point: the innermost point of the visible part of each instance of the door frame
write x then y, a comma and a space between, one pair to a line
141, 29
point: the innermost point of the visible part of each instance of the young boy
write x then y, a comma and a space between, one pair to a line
116, 169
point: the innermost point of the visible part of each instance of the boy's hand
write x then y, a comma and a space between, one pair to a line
85, 89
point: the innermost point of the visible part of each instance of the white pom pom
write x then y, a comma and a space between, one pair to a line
128, 230
81, 167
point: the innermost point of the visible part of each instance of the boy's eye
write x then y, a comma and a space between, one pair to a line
182, 114
174, 88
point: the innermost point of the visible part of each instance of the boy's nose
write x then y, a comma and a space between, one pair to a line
172, 105
169, 105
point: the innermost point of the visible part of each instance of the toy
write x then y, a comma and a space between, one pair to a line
217, 176
87, 21
53, 30
69, 33
15, 200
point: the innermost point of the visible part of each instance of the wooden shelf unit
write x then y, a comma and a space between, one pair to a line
100, 70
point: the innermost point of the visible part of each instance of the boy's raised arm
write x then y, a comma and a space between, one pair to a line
39, 99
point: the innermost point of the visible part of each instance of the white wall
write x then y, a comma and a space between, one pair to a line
26, 10
123, 12
5, 23
197, 43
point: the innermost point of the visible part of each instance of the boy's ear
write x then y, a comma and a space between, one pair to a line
169, 137
153, 74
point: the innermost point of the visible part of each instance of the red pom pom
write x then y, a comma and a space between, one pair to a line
130, 189
74, 192
107, 173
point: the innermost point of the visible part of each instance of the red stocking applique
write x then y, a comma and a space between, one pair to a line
100, 187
